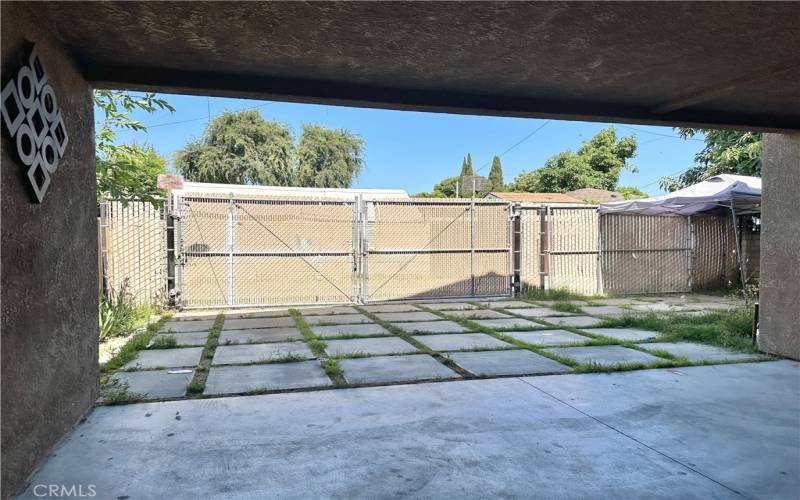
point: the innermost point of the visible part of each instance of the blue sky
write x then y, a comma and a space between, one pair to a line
412, 150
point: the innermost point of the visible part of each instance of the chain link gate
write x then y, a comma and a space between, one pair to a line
256, 252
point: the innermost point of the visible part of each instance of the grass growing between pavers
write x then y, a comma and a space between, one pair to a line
730, 328
317, 346
566, 307
198, 382
407, 336
165, 342
115, 392
137, 343
559, 294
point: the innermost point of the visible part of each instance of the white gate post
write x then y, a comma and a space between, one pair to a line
231, 241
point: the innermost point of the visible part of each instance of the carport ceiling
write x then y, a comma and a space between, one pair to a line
730, 64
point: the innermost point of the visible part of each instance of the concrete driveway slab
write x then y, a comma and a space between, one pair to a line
337, 319
449, 306
254, 353
187, 326
695, 352
186, 338
259, 335
255, 313
363, 329
165, 358
508, 323
372, 346
515, 362
155, 384
695, 433
605, 310
631, 334
540, 312
389, 308
506, 304
603, 354
477, 314
248, 323
387, 369
431, 327
327, 311
548, 337
575, 321
408, 316
269, 377
460, 341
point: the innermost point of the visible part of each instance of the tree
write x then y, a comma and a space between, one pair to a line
126, 171
446, 188
495, 181
597, 164
631, 192
725, 152
466, 166
240, 148
328, 158
243, 148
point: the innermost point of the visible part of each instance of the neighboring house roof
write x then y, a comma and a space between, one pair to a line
534, 197
199, 188
596, 195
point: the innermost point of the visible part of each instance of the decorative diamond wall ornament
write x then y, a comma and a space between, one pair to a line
32, 118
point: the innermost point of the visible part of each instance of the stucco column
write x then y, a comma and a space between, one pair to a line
780, 246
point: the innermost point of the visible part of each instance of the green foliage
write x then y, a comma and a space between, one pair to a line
165, 342
566, 307
119, 314
597, 164
725, 152
446, 188
243, 148
466, 166
126, 171
117, 392
495, 181
556, 294
328, 158
129, 172
631, 193
240, 148
137, 342
195, 387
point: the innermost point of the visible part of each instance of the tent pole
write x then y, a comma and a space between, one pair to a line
738, 247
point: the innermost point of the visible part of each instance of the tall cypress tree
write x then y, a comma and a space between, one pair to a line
495, 182
466, 166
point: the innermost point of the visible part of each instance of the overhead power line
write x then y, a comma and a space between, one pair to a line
207, 117
540, 127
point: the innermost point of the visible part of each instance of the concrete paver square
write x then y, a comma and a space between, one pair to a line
705, 306
255, 313
253, 353
654, 307
509, 323
165, 358
362, 329
258, 335
408, 316
506, 304
194, 315
541, 312
276, 376
337, 319
477, 314
385, 369
603, 354
605, 310
633, 334
431, 327
156, 383
203, 325
390, 308
327, 311
246, 323
548, 337
449, 306
695, 352
460, 341
622, 301
516, 362
380, 345
575, 321
185, 339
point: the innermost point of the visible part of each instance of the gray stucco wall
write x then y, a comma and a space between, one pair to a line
780, 247
49, 285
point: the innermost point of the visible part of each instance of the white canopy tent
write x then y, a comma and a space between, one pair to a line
732, 192
738, 193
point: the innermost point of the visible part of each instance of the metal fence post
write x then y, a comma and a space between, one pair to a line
690, 250
472, 242
364, 248
231, 242
515, 236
